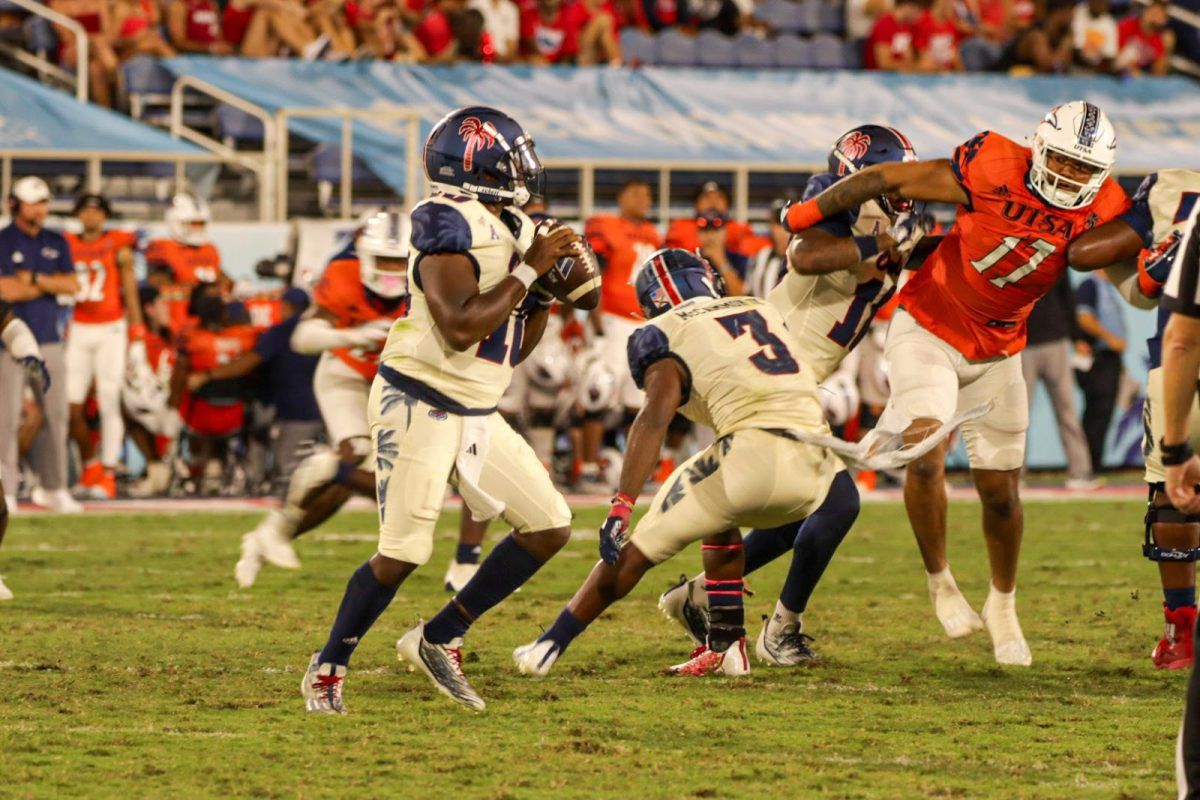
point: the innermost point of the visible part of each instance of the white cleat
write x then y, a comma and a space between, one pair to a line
783, 644
321, 687
733, 662
441, 663
245, 572
687, 603
274, 541
1008, 642
458, 575
58, 501
155, 482
536, 659
312, 473
952, 609
5, 592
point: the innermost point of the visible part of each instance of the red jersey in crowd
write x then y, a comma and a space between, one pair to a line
203, 20
556, 38
892, 33
938, 38
1147, 47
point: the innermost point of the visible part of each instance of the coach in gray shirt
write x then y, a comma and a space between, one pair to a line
1047, 358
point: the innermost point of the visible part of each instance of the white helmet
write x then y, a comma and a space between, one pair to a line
597, 385
550, 365
186, 210
839, 397
385, 234
1077, 130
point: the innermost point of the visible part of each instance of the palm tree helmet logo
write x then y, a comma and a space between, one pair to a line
477, 135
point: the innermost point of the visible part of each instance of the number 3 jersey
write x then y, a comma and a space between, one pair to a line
1006, 249
417, 358
739, 361
830, 313
99, 299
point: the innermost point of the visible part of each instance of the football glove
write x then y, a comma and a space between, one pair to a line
136, 358
36, 372
369, 335
615, 527
1154, 265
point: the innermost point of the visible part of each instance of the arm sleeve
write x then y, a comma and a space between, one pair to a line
1138, 216
439, 228
838, 225
646, 345
1180, 291
1085, 297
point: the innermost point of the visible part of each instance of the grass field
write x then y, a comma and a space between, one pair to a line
134, 668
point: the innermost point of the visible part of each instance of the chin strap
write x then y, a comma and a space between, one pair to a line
1169, 515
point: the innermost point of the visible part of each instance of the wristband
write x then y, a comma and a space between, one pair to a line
868, 247
802, 216
622, 499
1174, 455
137, 332
525, 274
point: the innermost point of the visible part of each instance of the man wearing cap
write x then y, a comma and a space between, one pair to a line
107, 314
35, 272
712, 197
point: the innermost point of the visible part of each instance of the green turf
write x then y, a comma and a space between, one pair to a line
132, 667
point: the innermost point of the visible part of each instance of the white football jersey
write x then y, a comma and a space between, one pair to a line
830, 313
740, 361
1169, 202
416, 350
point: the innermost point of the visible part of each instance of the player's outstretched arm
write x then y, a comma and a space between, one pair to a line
466, 316
664, 393
933, 181
819, 252
1104, 246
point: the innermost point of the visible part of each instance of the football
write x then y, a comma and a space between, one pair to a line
574, 280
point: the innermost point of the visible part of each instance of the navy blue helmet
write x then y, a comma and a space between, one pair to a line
866, 146
484, 153
673, 276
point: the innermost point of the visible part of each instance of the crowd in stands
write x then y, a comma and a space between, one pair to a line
1024, 36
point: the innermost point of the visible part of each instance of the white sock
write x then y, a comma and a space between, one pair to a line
998, 600
941, 579
786, 616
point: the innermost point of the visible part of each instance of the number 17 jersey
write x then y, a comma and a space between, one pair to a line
1006, 249
739, 362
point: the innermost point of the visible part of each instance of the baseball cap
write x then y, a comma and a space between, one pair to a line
296, 297
31, 189
711, 186
92, 201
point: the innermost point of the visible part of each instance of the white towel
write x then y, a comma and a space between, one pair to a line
885, 449
472, 454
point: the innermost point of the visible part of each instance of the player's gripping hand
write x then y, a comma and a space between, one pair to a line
615, 527
1154, 266
550, 243
370, 335
36, 372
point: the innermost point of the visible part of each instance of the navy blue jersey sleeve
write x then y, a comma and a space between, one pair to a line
1138, 216
438, 228
647, 345
275, 341
64, 264
1085, 296
840, 224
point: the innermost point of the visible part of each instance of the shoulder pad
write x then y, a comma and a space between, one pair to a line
646, 345
440, 228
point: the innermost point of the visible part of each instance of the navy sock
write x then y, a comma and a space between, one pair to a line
468, 553
762, 546
726, 614
564, 630
819, 537
505, 569
364, 601
1175, 598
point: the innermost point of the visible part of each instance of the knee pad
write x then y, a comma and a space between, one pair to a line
1170, 515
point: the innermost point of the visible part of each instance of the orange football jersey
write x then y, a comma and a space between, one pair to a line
99, 298
341, 292
265, 310
621, 245
189, 266
207, 349
741, 238
1006, 249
